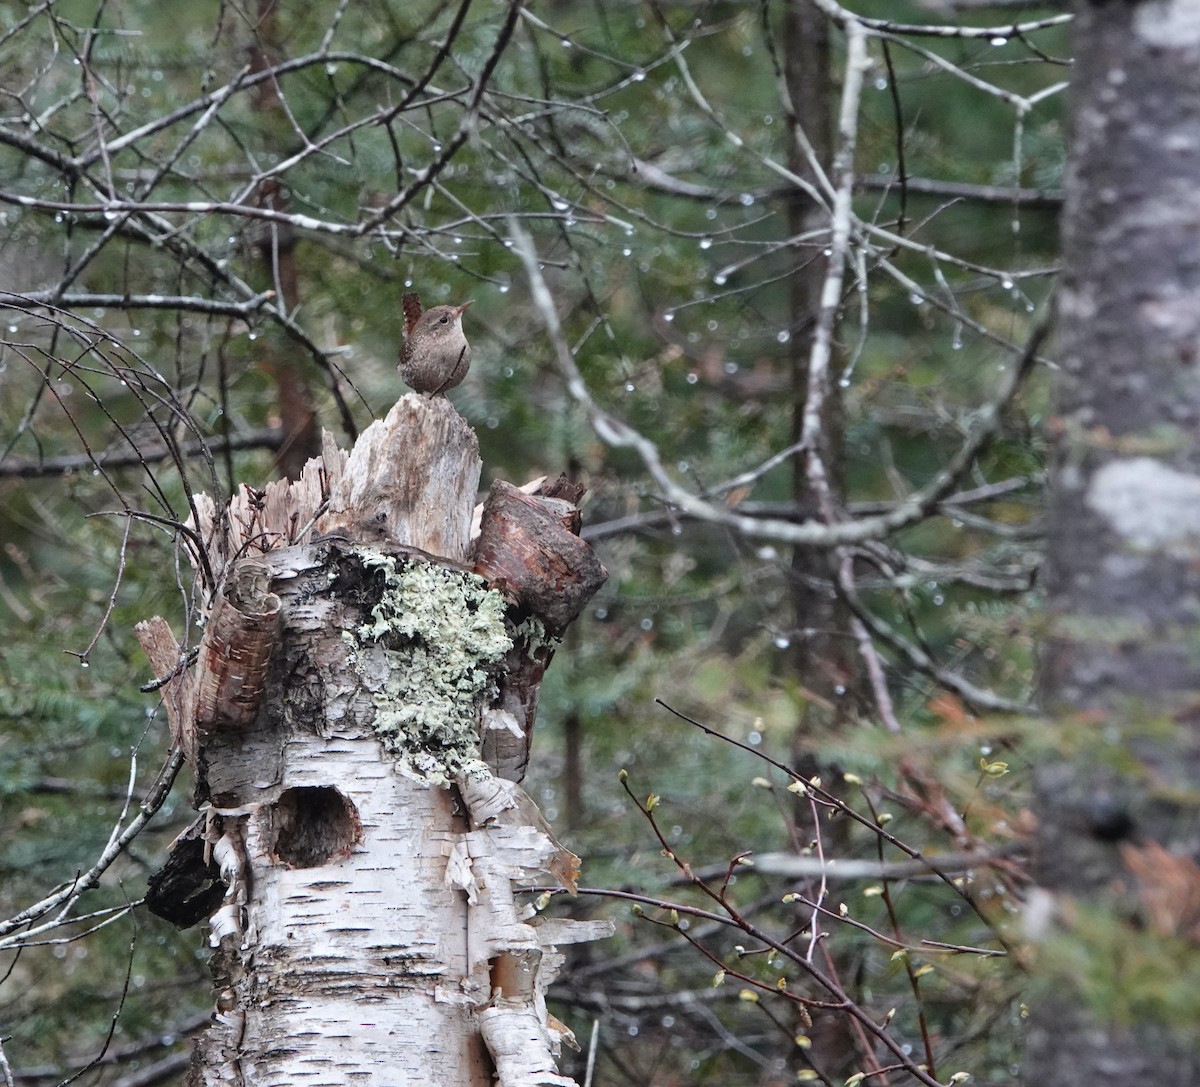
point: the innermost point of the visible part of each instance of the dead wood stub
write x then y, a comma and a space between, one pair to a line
528, 548
404, 481
163, 651
569, 491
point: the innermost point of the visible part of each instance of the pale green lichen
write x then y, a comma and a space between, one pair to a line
532, 631
443, 635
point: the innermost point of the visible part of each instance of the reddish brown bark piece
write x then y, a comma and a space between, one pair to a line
527, 548
237, 644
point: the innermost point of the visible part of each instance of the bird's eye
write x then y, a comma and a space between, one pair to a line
443, 320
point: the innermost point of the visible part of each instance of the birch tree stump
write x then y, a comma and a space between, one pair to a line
356, 857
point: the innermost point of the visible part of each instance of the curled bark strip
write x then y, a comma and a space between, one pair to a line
236, 649
494, 803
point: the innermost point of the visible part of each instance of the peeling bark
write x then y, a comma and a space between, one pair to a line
359, 859
238, 639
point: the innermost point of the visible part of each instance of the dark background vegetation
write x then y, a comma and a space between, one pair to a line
209, 214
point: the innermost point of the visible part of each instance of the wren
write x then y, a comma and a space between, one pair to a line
436, 354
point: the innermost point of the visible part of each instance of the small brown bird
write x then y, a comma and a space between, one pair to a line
436, 354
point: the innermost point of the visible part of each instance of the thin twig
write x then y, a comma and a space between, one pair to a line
65, 897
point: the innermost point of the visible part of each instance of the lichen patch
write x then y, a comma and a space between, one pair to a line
1151, 505
442, 633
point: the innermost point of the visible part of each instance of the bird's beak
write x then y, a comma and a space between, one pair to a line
461, 309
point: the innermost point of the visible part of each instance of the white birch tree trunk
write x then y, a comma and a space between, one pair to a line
357, 859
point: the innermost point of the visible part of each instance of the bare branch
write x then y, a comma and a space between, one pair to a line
65, 897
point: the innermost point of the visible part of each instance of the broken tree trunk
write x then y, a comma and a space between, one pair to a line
357, 855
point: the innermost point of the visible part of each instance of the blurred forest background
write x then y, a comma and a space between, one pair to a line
800, 264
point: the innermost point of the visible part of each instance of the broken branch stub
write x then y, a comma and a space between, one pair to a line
350, 658
529, 548
159, 644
